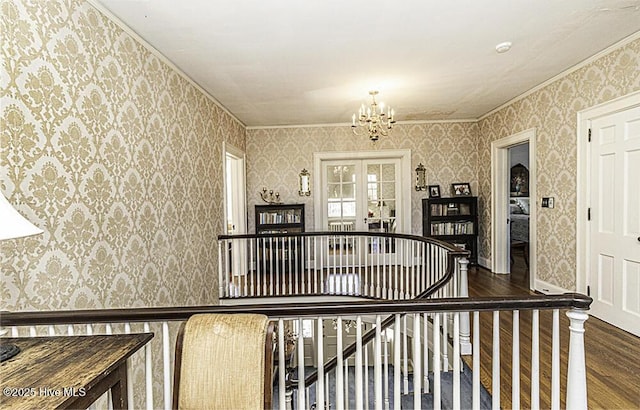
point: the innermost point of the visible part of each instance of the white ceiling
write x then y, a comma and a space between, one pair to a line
287, 62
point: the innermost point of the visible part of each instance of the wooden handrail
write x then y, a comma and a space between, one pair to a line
451, 249
155, 314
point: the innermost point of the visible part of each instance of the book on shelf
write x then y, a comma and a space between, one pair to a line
452, 228
450, 209
289, 216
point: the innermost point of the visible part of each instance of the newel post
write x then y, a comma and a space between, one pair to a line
463, 292
576, 374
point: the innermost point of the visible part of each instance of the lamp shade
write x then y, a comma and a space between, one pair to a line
12, 224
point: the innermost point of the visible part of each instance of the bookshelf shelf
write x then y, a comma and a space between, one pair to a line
454, 220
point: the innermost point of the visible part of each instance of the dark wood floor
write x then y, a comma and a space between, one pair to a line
612, 355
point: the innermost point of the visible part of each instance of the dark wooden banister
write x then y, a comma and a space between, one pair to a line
449, 247
155, 314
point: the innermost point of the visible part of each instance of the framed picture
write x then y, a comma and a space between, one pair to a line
434, 191
519, 180
461, 189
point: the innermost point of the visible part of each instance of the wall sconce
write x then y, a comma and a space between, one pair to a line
421, 179
305, 183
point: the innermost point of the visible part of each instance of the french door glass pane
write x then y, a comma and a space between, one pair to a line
341, 197
381, 197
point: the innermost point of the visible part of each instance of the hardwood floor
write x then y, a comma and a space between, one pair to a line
612, 355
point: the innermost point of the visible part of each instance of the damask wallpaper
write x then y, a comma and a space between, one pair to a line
553, 110
115, 155
275, 157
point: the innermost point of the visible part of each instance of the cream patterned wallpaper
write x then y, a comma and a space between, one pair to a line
115, 155
275, 157
553, 110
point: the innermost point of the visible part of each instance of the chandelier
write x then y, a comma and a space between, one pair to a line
374, 119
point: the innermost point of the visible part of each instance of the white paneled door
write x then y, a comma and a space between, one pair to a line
614, 250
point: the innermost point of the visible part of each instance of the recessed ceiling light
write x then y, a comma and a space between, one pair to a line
503, 47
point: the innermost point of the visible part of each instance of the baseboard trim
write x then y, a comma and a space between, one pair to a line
484, 262
548, 289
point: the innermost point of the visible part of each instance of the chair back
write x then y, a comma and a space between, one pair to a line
224, 362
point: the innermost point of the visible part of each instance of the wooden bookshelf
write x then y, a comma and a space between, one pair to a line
454, 220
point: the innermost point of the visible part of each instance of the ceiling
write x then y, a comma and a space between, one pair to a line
279, 62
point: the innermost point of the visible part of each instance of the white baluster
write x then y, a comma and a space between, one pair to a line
33, 332
282, 366
272, 257
445, 342
386, 369
320, 383
253, 273
338, 371
456, 360
396, 267
221, 281
358, 366
300, 348
52, 330
476, 361
555, 361
515, 362
403, 270
576, 373
425, 377
535, 360
396, 362
417, 371
264, 275
436, 362
405, 356
307, 264
377, 368
289, 252
495, 371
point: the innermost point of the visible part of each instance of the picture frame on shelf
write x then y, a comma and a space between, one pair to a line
434, 191
461, 189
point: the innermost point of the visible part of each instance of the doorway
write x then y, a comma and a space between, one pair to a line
513, 184
234, 188
608, 257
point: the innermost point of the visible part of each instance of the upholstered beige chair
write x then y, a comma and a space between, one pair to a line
224, 362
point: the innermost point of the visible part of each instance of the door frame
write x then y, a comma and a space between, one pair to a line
500, 175
405, 179
583, 239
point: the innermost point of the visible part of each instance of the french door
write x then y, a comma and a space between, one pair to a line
362, 192
361, 195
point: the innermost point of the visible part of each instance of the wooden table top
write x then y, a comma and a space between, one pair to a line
52, 372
